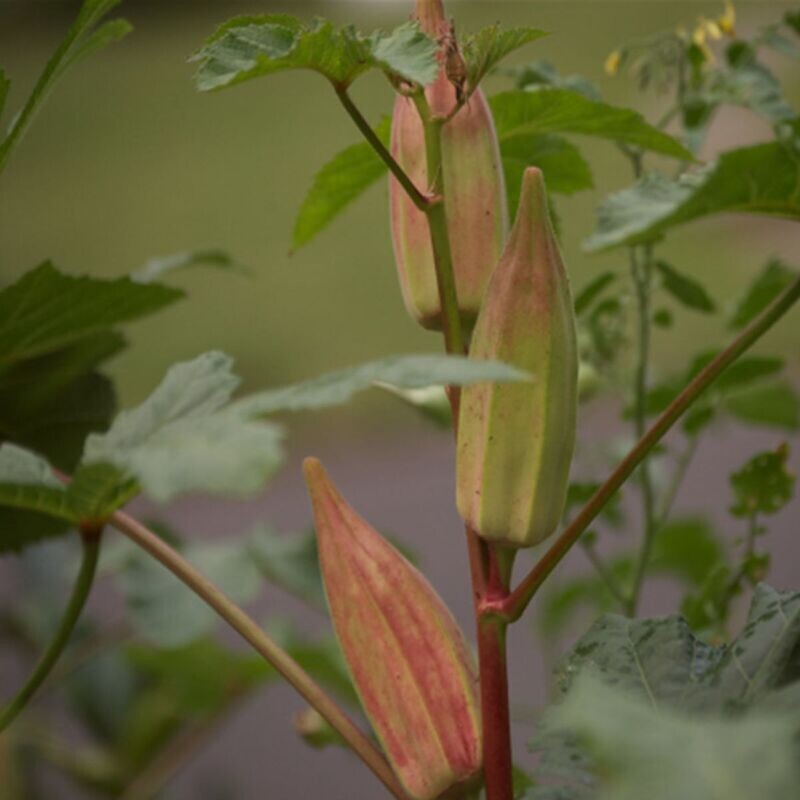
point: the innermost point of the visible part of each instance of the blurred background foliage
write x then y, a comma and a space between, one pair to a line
127, 162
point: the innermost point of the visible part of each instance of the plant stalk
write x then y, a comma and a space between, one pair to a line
420, 200
77, 601
641, 274
246, 627
516, 603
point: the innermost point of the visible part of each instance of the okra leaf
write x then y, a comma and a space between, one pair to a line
156, 268
774, 404
249, 47
82, 39
406, 372
763, 485
540, 73
188, 437
46, 310
343, 179
767, 285
28, 484
483, 50
593, 290
641, 752
565, 169
289, 562
686, 548
202, 675
160, 608
761, 179
556, 110
684, 289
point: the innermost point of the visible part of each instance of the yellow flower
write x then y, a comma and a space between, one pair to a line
700, 35
612, 63
727, 22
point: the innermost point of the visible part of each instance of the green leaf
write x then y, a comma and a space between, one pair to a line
161, 608
249, 47
663, 755
540, 73
756, 663
565, 169
482, 51
764, 485
156, 268
407, 372
186, 437
590, 292
775, 405
46, 310
201, 675
761, 179
27, 482
82, 39
344, 178
768, 284
554, 110
289, 562
684, 289
687, 549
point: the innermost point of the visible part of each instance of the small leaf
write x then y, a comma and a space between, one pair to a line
183, 437
768, 284
46, 310
408, 372
761, 179
485, 49
540, 73
158, 267
553, 110
590, 292
684, 289
775, 404
344, 178
763, 485
249, 47
687, 549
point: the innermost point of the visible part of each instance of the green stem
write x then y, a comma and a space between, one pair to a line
607, 577
80, 592
679, 473
515, 605
641, 272
247, 628
420, 200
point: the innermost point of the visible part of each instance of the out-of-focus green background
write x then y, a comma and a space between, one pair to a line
127, 161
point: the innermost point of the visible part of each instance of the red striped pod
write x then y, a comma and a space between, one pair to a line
408, 659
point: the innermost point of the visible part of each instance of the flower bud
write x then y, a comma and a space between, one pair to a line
474, 189
515, 440
407, 657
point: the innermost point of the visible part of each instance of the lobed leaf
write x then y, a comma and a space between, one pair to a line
250, 47
764, 485
185, 437
46, 310
762, 179
406, 372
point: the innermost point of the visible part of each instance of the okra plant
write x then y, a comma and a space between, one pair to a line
671, 707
